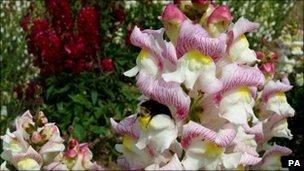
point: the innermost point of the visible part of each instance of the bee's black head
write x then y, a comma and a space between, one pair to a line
156, 108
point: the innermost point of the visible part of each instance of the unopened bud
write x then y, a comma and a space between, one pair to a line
36, 137
29, 128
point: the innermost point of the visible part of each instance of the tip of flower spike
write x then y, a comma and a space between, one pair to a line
172, 14
221, 13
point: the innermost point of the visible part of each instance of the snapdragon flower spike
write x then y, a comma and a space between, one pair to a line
272, 158
155, 58
274, 100
197, 52
235, 99
172, 18
237, 45
206, 148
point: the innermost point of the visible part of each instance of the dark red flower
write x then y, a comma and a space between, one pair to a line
48, 45
69, 64
18, 90
25, 21
120, 14
107, 64
39, 25
127, 38
75, 48
79, 66
88, 28
62, 15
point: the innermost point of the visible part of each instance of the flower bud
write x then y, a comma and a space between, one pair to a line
172, 18
172, 14
107, 64
260, 55
36, 137
29, 128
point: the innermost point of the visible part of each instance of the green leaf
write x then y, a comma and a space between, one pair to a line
94, 96
98, 130
81, 99
79, 132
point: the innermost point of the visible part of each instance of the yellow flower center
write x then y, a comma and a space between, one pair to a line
212, 150
243, 39
143, 54
244, 92
15, 146
27, 164
240, 167
199, 57
127, 142
281, 96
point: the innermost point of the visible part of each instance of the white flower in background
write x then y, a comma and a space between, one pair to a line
274, 100
272, 158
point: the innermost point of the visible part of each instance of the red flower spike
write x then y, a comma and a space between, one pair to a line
88, 28
62, 15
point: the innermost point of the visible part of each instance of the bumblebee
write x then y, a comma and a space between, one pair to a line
149, 109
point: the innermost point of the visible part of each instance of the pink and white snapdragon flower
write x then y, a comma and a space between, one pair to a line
207, 76
36, 144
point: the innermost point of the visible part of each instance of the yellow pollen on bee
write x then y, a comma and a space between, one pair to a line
143, 54
212, 149
196, 55
144, 121
127, 142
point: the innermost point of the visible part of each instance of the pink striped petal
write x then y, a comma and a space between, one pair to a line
273, 87
257, 130
236, 75
276, 149
221, 13
194, 37
147, 40
123, 163
225, 136
240, 27
194, 130
126, 126
248, 159
167, 93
